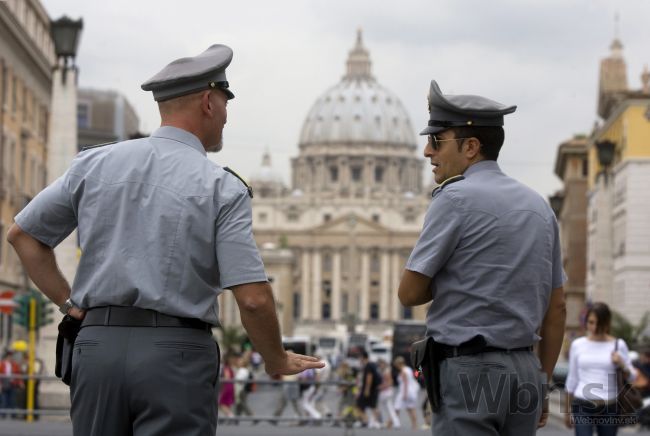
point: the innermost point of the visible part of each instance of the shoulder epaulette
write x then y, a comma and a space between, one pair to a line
250, 189
449, 181
90, 147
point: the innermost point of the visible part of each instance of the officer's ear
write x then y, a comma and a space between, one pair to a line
206, 104
472, 147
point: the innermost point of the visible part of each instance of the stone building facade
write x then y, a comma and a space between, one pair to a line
26, 60
352, 214
618, 257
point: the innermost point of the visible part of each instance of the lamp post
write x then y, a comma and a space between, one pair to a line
605, 151
61, 150
66, 33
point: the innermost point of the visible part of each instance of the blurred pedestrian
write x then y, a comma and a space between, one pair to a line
387, 396
323, 376
407, 390
244, 377
227, 386
289, 394
347, 392
591, 382
368, 395
9, 369
308, 388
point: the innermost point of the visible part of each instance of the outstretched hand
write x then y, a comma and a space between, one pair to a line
292, 363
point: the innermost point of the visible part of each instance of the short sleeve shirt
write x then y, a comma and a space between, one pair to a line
159, 225
491, 246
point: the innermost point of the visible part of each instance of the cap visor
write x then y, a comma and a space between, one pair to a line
430, 130
229, 94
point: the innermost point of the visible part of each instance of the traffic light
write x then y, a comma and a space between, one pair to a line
21, 311
44, 312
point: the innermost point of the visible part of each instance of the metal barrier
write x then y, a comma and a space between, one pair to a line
346, 421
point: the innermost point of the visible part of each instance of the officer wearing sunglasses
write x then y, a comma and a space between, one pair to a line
489, 262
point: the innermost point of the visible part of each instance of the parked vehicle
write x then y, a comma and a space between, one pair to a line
381, 350
404, 334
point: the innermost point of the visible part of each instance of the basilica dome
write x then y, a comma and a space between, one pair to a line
357, 109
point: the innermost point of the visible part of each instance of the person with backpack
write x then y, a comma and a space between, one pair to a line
369, 392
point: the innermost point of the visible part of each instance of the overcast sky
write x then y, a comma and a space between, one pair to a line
542, 55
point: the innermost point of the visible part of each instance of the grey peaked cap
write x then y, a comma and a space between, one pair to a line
447, 111
192, 74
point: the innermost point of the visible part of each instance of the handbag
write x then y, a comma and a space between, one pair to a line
628, 398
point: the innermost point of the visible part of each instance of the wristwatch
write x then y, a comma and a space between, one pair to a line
65, 307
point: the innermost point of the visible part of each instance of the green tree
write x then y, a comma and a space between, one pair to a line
232, 338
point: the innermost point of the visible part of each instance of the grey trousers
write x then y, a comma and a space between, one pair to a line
495, 393
144, 381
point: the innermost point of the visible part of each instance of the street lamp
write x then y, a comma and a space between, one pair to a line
65, 33
605, 150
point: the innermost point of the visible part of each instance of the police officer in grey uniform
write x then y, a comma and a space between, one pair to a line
489, 262
162, 232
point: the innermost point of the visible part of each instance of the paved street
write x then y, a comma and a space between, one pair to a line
263, 403
50, 428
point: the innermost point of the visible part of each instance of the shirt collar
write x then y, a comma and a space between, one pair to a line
484, 165
179, 135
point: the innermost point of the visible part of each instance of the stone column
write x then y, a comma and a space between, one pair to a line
305, 288
317, 286
336, 286
396, 275
364, 301
384, 286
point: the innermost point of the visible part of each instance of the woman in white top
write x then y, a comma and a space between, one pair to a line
591, 382
407, 390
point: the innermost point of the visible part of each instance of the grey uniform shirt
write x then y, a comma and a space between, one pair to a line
160, 226
491, 246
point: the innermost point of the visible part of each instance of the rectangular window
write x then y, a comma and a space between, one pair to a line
374, 263
325, 311
356, 173
262, 217
379, 174
83, 116
334, 174
327, 288
296, 305
375, 217
408, 313
374, 311
327, 217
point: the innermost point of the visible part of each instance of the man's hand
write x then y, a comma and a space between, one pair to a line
544, 418
292, 363
77, 313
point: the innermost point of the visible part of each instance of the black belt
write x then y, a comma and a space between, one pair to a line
446, 351
123, 316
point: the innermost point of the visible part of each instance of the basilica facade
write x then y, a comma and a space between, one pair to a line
335, 242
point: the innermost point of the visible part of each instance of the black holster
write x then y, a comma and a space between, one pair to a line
425, 359
68, 330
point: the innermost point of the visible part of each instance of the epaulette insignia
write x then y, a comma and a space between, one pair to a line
449, 181
250, 189
90, 147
